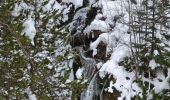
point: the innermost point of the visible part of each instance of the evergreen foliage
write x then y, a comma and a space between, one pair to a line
148, 29
45, 64
25, 68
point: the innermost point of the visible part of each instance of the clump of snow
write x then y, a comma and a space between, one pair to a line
32, 97
79, 73
156, 52
153, 64
160, 82
49, 66
97, 25
71, 77
16, 11
124, 80
113, 8
117, 41
52, 4
18, 7
30, 94
91, 2
62, 47
99, 65
29, 29
119, 53
62, 85
102, 38
79, 20
110, 89
77, 3
159, 86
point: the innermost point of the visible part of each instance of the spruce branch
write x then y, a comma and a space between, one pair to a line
12, 30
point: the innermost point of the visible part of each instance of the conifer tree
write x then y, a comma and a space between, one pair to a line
29, 41
150, 33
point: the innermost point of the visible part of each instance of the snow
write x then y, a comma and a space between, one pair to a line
18, 7
117, 42
77, 3
102, 38
29, 29
97, 25
79, 73
153, 64
156, 52
16, 11
91, 2
62, 85
159, 85
62, 47
124, 80
30, 94
120, 53
71, 77
99, 65
32, 97
110, 89
52, 5
49, 66
116, 39
79, 19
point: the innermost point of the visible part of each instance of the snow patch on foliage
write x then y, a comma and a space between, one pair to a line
160, 82
52, 5
78, 22
97, 25
18, 7
124, 80
91, 2
102, 38
30, 94
117, 41
79, 73
29, 29
77, 3
71, 77
153, 64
